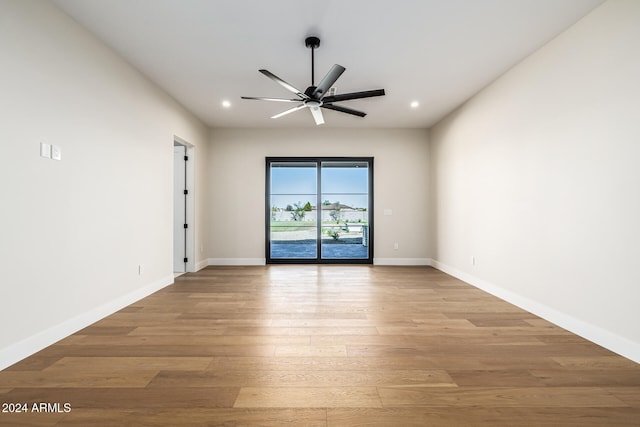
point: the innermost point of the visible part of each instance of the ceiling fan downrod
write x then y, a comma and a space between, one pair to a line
312, 43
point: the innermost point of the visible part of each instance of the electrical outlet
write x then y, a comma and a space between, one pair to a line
473, 260
395, 246
56, 152
139, 269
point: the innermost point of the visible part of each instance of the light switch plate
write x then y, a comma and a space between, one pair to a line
45, 150
388, 212
56, 152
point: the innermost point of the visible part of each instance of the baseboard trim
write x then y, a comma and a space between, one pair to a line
237, 261
28, 346
401, 261
202, 264
595, 334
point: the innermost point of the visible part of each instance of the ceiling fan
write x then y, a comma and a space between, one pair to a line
316, 97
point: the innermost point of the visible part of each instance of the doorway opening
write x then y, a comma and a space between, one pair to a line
319, 210
183, 207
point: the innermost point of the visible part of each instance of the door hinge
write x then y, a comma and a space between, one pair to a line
186, 226
186, 192
186, 259
186, 158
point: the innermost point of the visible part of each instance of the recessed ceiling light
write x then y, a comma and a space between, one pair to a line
415, 104
226, 104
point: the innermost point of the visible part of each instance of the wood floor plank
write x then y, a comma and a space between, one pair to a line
329, 363
338, 330
423, 341
329, 345
131, 398
161, 350
311, 350
595, 362
120, 364
31, 419
267, 417
325, 323
501, 397
629, 395
178, 330
87, 378
590, 377
308, 397
461, 332
36, 362
496, 378
316, 378
498, 322
482, 416
193, 340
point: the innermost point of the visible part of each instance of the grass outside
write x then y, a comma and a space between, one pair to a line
305, 225
292, 225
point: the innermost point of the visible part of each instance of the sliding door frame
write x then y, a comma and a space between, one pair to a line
318, 259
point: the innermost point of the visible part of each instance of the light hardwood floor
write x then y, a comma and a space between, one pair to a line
324, 346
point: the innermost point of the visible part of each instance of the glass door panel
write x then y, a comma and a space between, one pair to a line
345, 210
319, 210
293, 196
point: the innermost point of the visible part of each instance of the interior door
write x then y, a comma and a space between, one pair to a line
179, 209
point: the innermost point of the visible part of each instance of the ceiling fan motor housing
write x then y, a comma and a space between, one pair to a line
312, 103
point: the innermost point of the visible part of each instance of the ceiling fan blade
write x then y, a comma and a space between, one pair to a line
317, 115
283, 83
270, 99
328, 81
344, 110
290, 110
354, 95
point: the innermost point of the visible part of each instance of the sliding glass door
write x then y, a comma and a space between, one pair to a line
319, 210
345, 210
292, 221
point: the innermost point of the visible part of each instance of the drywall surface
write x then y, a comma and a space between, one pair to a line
87, 234
537, 179
237, 186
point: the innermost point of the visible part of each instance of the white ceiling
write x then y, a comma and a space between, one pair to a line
437, 52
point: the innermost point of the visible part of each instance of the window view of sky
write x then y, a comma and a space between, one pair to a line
347, 185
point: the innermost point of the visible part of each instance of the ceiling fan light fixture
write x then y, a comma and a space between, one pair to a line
316, 97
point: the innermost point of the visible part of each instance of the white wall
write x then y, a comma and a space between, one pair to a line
538, 178
75, 230
237, 186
